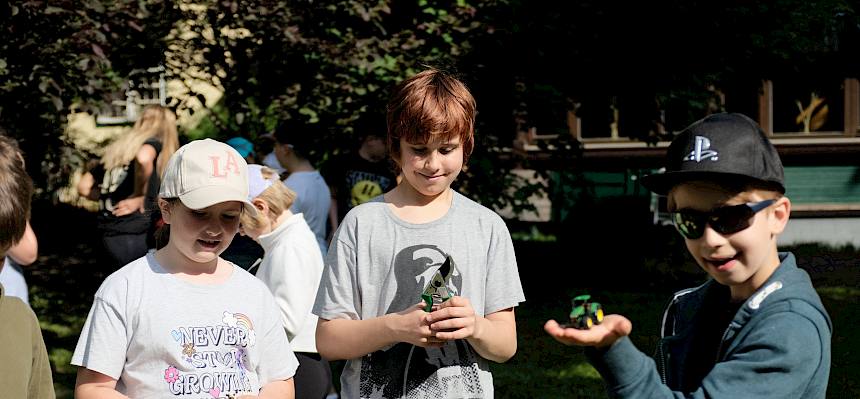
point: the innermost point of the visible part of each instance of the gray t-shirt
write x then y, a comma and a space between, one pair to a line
380, 264
160, 336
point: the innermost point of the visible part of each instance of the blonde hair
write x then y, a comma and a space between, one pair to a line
278, 197
156, 122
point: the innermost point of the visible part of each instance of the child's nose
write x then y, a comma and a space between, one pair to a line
711, 237
432, 161
213, 228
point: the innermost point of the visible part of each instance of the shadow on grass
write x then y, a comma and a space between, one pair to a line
62, 283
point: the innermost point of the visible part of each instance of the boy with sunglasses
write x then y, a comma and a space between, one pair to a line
757, 328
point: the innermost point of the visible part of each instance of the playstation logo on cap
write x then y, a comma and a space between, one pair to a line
702, 150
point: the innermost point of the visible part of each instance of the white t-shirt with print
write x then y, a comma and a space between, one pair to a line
161, 336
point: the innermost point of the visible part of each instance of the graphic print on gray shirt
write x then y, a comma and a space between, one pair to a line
384, 371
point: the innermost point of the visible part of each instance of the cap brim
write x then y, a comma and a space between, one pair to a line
207, 196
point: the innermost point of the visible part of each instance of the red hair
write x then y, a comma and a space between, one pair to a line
431, 103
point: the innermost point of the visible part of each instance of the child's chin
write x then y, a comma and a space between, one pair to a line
433, 191
206, 256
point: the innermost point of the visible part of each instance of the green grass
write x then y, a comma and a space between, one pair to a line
841, 304
543, 367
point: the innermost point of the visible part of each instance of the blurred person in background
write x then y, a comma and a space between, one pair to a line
130, 175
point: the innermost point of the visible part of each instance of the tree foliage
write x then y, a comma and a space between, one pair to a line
289, 61
59, 55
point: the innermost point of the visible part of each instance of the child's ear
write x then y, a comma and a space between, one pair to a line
780, 214
166, 209
261, 205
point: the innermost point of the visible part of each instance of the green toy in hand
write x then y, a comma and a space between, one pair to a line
584, 313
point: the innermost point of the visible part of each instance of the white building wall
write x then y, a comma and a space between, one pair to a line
830, 231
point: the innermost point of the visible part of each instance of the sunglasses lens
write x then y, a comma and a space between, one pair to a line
731, 219
724, 220
690, 225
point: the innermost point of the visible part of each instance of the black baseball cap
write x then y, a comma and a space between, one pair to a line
719, 146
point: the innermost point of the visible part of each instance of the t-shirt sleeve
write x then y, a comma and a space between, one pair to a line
504, 289
155, 144
277, 360
338, 293
103, 342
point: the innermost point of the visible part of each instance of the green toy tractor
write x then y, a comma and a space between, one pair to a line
585, 313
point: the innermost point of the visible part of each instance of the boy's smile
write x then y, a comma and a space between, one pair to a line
742, 260
721, 264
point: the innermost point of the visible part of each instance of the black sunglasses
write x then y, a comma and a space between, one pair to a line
724, 220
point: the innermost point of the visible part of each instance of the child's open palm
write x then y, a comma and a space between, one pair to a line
604, 334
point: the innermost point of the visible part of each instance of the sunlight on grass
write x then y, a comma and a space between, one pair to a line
60, 330
576, 370
61, 359
847, 294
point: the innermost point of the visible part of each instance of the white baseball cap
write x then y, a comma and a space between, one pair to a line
256, 182
206, 172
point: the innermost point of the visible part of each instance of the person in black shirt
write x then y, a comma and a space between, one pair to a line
130, 175
362, 174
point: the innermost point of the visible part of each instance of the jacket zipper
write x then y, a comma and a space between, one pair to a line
661, 362
662, 355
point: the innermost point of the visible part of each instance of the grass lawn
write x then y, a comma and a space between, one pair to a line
545, 368
66, 276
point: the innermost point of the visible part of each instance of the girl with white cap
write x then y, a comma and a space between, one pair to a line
181, 321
